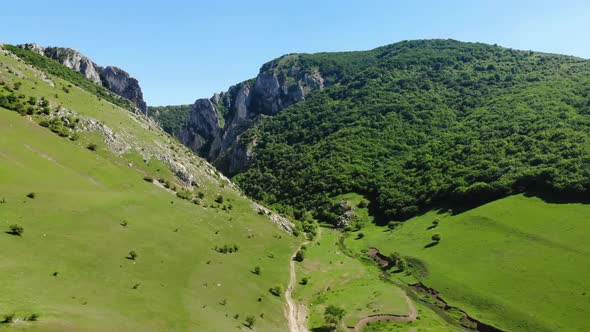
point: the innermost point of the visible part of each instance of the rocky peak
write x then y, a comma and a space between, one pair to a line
280, 84
120, 82
114, 79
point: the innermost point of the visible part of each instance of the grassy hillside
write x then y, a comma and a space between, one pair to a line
333, 278
96, 199
424, 123
517, 263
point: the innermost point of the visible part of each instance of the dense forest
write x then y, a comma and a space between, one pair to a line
421, 124
170, 118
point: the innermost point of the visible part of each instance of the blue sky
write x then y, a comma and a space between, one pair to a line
184, 50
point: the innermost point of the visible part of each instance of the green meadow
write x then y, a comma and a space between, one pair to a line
88, 210
517, 263
337, 279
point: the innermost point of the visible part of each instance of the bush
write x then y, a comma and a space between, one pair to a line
304, 281
132, 255
256, 270
91, 147
219, 199
9, 318
250, 320
148, 179
32, 317
276, 290
15, 229
436, 238
300, 255
31, 195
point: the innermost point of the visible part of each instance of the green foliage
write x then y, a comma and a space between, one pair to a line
92, 147
170, 118
333, 315
132, 255
276, 290
227, 249
54, 68
300, 255
16, 229
256, 270
250, 320
8, 318
423, 123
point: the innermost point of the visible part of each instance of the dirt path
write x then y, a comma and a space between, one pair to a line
362, 323
296, 313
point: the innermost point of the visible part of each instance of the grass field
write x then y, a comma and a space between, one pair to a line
518, 263
337, 279
92, 208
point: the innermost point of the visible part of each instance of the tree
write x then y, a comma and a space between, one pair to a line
132, 255
256, 270
304, 281
16, 229
276, 290
219, 199
91, 147
250, 320
299, 256
333, 315
436, 238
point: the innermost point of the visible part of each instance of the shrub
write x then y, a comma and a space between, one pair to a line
333, 315
250, 320
16, 229
363, 204
256, 270
300, 255
436, 238
8, 318
32, 317
304, 281
132, 255
276, 290
360, 235
148, 179
219, 199
31, 195
183, 194
91, 147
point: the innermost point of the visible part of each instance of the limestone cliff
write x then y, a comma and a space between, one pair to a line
216, 127
115, 79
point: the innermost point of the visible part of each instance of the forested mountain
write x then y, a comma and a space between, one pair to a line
412, 125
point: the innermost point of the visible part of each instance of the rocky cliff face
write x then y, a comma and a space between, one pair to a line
279, 84
118, 81
115, 79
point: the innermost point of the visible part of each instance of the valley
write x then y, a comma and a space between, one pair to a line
429, 185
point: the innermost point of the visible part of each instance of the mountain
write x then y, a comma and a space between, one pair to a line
412, 125
109, 224
114, 79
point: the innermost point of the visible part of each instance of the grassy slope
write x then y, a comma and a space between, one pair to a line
336, 279
73, 227
518, 263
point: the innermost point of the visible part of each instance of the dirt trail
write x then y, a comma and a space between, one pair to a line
296, 313
362, 323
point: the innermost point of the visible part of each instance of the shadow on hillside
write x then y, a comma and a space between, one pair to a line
431, 244
13, 233
322, 329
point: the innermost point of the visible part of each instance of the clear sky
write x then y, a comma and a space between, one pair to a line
184, 50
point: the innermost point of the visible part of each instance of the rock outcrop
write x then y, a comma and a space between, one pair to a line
120, 82
114, 79
216, 128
